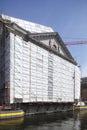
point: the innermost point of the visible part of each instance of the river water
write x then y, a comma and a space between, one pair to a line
53, 121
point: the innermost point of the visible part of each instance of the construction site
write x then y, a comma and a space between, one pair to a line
37, 72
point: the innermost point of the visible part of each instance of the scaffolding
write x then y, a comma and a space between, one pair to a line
34, 70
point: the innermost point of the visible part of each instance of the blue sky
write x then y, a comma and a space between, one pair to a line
67, 17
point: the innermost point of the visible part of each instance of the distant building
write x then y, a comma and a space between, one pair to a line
84, 89
35, 65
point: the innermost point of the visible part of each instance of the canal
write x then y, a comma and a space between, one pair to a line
53, 121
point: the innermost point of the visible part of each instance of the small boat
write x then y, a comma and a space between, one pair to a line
80, 106
5, 114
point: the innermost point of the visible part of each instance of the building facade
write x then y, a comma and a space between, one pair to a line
84, 89
35, 65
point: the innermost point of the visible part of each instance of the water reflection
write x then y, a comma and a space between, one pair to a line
55, 121
82, 117
11, 124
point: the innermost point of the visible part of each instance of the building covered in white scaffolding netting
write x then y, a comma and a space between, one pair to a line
35, 65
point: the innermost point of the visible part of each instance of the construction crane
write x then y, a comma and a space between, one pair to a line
75, 43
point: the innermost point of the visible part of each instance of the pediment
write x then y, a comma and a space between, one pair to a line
54, 41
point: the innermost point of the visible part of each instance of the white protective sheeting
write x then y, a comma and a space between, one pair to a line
63, 82
29, 71
37, 75
77, 82
29, 26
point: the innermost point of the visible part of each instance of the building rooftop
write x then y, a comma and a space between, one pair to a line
38, 34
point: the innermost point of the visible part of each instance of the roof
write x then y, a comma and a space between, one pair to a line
38, 38
27, 25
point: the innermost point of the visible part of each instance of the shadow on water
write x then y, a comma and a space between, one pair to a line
53, 121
